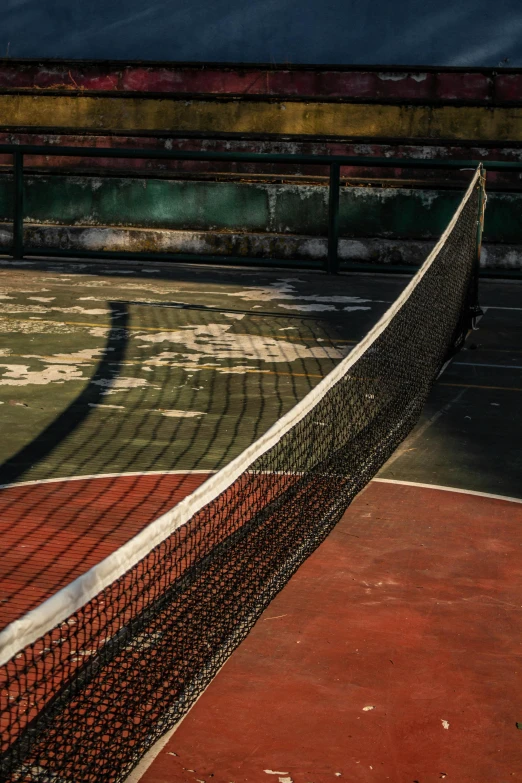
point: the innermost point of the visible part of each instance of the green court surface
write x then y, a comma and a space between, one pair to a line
121, 390
106, 369
115, 371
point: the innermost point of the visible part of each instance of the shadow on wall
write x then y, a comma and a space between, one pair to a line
472, 33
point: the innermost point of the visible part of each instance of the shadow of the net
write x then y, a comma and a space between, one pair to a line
70, 418
132, 463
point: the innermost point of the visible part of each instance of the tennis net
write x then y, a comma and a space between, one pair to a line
94, 676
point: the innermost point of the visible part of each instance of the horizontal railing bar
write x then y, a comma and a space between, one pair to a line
254, 157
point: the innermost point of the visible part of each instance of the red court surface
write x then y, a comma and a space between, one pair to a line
52, 532
394, 654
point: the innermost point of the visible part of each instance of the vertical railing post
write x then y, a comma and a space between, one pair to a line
18, 205
332, 261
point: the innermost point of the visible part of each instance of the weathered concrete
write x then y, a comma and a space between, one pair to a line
394, 213
284, 247
366, 111
310, 118
383, 83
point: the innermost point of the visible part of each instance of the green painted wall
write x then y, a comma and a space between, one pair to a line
299, 209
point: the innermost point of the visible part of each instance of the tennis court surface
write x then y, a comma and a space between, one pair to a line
204, 431
117, 401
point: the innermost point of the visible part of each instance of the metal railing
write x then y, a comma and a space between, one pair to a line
334, 162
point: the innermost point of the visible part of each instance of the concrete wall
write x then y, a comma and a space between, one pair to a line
427, 32
392, 213
269, 211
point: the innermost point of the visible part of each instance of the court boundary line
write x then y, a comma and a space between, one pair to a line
443, 488
138, 474
94, 476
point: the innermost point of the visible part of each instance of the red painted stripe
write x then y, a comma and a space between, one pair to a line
320, 82
52, 533
450, 152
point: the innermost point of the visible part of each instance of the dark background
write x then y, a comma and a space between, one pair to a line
410, 32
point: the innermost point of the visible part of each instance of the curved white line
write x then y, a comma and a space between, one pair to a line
449, 489
108, 475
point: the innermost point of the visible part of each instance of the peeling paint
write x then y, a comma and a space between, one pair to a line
392, 76
86, 355
254, 245
16, 308
311, 308
180, 414
122, 384
217, 342
101, 405
21, 375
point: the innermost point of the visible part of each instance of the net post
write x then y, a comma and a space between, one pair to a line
475, 310
18, 205
332, 261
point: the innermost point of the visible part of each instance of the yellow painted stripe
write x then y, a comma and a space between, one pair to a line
299, 117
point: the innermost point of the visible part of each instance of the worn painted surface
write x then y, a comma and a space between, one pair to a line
273, 116
95, 340
232, 206
486, 86
305, 251
392, 655
340, 31
101, 375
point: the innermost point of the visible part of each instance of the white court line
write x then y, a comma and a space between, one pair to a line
497, 307
449, 489
108, 475
205, 472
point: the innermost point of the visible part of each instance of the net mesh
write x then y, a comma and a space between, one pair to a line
88, 698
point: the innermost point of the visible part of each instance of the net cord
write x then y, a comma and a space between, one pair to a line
55, 610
